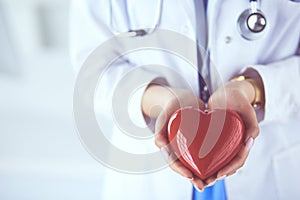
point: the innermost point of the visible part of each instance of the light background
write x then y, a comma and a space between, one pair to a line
40, 153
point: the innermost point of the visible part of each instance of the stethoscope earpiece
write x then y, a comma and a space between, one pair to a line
252, 22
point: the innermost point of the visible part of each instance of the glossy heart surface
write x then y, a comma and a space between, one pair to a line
205, 141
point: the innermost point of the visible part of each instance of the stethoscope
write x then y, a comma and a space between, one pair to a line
251, 23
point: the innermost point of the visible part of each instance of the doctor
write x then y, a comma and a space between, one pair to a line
262, 81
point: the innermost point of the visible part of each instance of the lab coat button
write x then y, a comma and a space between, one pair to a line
228, 39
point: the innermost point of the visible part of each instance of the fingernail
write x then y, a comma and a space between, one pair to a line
165, 153
212, 183
199, 190
221, 178
249, 144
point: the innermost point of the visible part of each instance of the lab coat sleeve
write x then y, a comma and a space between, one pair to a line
282, 88
86, 32
88, 29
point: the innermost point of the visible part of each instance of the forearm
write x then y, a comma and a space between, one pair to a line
155, 99
253, 88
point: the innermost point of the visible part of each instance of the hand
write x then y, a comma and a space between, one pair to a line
236, 96
161, 102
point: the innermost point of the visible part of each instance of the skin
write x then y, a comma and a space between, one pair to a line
160, 102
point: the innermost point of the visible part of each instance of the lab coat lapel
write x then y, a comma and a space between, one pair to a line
189, 8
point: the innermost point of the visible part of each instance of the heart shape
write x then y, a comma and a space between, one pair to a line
205, 141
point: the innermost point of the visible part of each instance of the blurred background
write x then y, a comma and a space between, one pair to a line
40, 154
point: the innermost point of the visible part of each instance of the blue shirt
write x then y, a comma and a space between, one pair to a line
215, 192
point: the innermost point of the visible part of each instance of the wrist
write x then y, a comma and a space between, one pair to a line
155, 98
256, 96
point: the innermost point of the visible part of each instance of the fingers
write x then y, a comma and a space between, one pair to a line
161, 138
238, 161
199, 104
218, 99
178, 167
248, 115
231, 173
232, 96
211, 180
175, 164
183, 99
161, 125
198, 183
238, 102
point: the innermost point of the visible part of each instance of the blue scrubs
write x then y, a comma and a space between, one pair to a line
215, 192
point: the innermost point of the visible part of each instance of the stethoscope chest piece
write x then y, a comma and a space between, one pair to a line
252, 23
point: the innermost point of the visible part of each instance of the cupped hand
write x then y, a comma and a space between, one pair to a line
169, 100
236, 96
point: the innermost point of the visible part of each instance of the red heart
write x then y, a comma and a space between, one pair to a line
205, 141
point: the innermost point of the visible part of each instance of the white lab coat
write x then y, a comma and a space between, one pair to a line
272, 168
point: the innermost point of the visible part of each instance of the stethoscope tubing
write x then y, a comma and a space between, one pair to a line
247, 26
